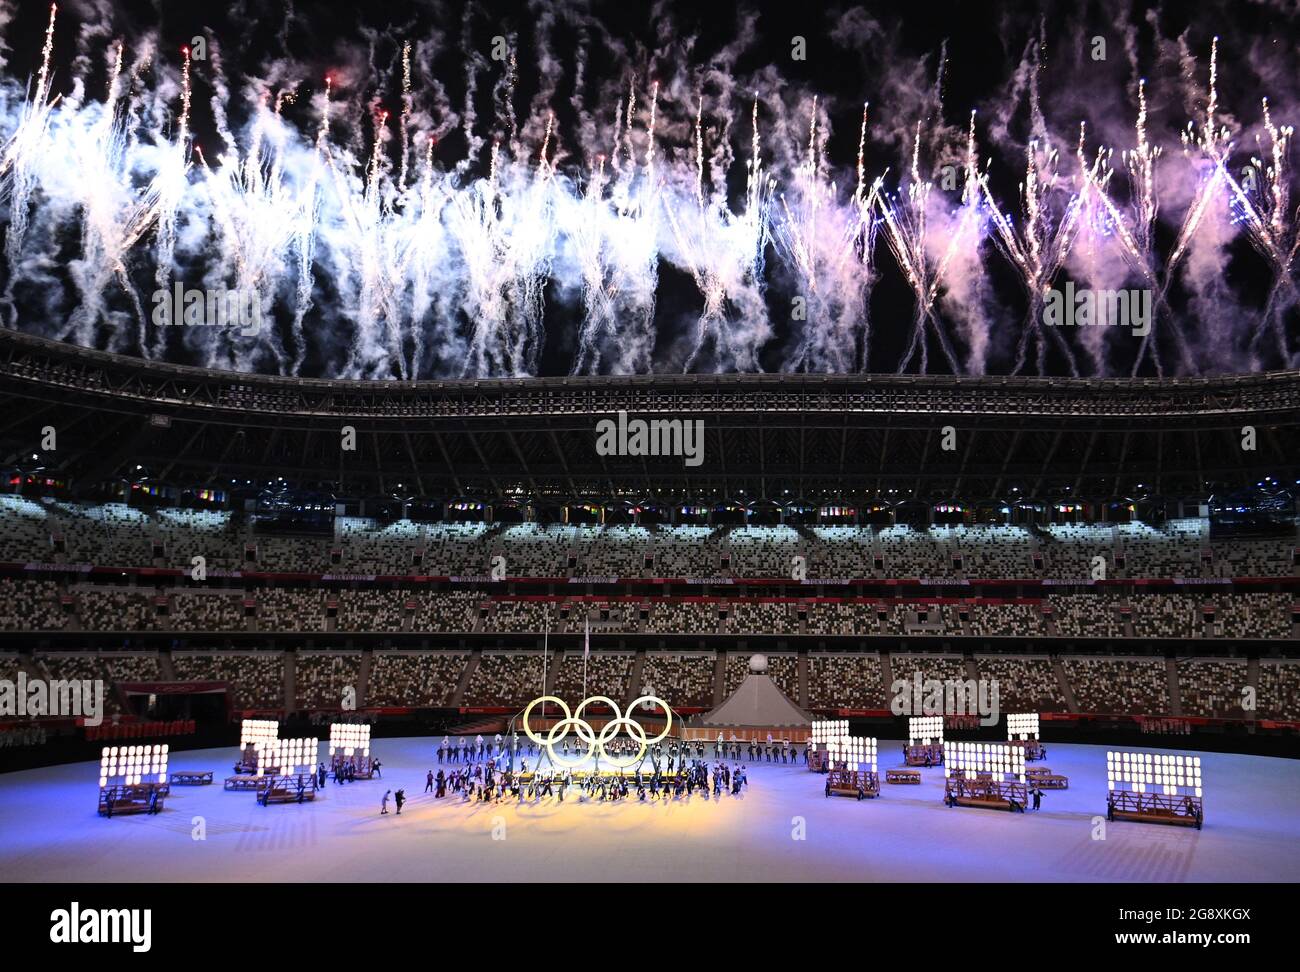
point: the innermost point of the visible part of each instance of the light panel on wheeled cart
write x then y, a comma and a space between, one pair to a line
1173, 774
132, 765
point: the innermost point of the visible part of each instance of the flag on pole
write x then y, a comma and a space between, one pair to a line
546, 639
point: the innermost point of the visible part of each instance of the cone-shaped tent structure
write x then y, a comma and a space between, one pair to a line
757, 704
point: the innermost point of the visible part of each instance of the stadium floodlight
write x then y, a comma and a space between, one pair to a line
1022, 725
349, 738
1172, 774
925, 730
132, 765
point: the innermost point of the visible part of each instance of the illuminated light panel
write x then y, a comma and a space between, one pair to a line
254, 731
925, 730
1022, 725
287, 757
349, 739
968, 759
1171, 774
826, 731
132, 765
855, 752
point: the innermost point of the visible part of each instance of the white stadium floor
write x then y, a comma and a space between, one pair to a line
49, 831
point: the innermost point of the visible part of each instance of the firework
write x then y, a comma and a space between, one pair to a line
371, 259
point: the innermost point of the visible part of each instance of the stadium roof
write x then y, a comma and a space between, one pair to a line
774, 437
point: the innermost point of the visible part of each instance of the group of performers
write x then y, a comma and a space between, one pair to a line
484, 784
773, 751
345, 770
724, 778
462, 750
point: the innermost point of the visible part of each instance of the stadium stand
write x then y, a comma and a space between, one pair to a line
1118, 685
608, 673
255, 679
455, 612
615, 551
1165, 616
531, 550
371, 610
40, 606
916, 553
1212, 688
30, 606
347, 600
848, 681
517, 616
669, 617
763, 618
207, 611
941, 668
1279, 689
1025, 683
502, 679
416, 679
1087, 615
996, 551
115, 534
1255, 615
684, 551
763, 551
116, 610
1263, 557
1169, 551
683, 681
281, 609
77, 666
1005, 620
840, 551
322, 679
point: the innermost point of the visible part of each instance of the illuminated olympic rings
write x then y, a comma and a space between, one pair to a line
596, 743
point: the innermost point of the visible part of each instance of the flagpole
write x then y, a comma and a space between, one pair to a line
586, 650
546, 638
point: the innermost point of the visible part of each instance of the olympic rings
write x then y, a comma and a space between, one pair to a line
595, 744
